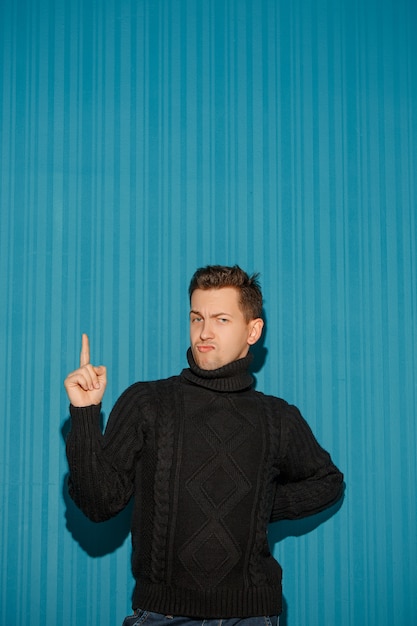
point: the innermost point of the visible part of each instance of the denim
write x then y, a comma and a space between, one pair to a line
156, 619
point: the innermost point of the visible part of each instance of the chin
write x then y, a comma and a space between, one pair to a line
205, 364
209, 366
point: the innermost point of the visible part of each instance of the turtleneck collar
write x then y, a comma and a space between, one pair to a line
231, 377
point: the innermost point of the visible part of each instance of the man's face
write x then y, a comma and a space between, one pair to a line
219, 332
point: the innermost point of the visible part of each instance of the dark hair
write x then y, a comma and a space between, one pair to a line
218, 276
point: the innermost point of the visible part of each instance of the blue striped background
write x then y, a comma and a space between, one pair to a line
141, 139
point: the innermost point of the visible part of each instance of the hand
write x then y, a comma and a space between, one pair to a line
87, 384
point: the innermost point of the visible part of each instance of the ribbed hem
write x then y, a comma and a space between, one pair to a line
208, 603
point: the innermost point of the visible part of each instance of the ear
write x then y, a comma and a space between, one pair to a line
255, 330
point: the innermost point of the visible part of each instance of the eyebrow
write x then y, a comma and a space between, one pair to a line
213, 315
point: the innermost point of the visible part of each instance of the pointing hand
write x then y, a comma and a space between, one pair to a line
87, 384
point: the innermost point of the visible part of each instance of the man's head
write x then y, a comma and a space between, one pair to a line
247, 287
225, 316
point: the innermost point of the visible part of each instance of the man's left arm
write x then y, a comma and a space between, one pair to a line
308, 482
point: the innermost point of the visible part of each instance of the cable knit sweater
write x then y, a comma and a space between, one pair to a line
210, 462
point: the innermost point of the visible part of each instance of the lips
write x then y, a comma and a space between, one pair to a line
204, 348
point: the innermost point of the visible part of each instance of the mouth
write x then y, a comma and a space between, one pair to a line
204, 348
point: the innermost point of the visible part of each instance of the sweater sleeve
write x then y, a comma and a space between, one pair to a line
308, 480
102, 466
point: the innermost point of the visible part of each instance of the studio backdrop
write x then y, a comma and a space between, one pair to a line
141, 139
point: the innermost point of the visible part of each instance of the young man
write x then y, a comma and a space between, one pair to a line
210, 462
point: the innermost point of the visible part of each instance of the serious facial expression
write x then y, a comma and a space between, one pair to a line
219, 332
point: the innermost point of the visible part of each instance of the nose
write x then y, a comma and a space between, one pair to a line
206, 331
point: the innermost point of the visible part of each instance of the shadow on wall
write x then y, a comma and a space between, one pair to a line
259, 352
95, 539
296, 528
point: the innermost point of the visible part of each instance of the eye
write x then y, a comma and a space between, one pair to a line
223, 320
195, 318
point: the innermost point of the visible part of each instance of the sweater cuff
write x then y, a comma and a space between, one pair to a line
85, 411
85, 418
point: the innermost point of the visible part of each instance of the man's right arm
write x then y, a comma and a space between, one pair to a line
101, 465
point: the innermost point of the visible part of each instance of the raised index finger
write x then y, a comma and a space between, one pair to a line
85, 351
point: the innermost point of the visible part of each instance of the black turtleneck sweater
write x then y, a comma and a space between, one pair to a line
210, 462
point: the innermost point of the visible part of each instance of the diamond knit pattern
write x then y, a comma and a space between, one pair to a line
217, 487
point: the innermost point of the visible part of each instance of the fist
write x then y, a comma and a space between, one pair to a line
87, 384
